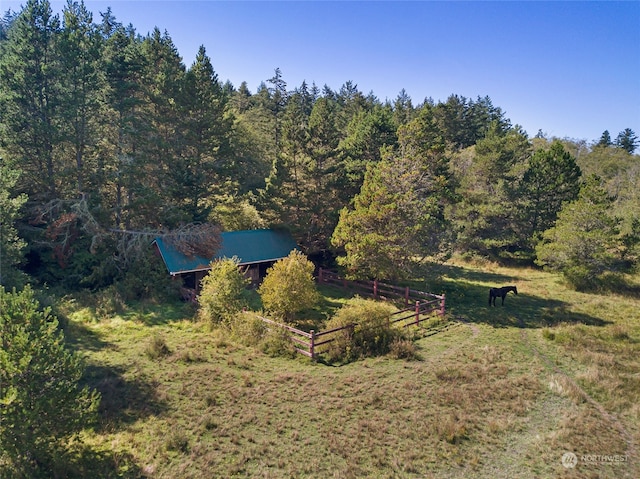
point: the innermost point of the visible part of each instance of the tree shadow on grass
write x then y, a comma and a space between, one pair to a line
471, 275
471, 302
152, 314
79, 336
123, 401
83, 462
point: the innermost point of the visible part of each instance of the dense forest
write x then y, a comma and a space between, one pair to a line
107, 139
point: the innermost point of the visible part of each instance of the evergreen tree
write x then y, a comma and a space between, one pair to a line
161, 84
485, 215
371, 233
585, 242
11, 245
29, 98
283, 192
205, 163
551, 179
321, 194
453, 120
278, 102
81, 93
627, 140
403, 110
398, 216
605, 139
251, 140
41, 402
367, 133
5, 23
484, 116
350, 101
120, 168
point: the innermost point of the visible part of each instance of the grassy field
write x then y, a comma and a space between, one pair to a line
498, 392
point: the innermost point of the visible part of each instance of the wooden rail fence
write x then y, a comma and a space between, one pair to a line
419, 306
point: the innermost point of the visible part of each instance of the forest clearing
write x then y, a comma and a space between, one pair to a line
131, 179
497, 392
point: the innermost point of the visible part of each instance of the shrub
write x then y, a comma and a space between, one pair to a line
177, 441
221, 296
289, 286
370, 335
548, 334
277, 343
248, 329
146, 278
452, 428
157, 347
109, 302
404, 349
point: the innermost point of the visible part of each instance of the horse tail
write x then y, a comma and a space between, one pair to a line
490, 297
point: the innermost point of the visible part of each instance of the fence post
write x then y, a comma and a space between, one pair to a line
417, 313
375, 289
442, 305
406, 296
320, 278
312, 341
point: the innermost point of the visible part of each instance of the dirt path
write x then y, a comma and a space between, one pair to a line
631, 451
474, 328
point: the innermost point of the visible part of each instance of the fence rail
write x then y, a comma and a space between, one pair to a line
423, 306
376, 289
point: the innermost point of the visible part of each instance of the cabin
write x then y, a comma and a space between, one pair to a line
256, 251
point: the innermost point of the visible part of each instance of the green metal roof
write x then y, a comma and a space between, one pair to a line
249, 246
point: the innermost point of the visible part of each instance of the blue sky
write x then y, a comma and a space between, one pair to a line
571, 69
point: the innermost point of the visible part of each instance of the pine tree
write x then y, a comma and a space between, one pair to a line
627, 140
29, 98
605, 139
485, 217
204, 165
551, 179
398, 217
41, 401
367, 133
81, 94
11, 245
161, 87
120, 168
278, 101
585, 242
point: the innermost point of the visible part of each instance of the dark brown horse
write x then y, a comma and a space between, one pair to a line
500, 292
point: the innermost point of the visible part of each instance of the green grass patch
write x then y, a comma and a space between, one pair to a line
495, 392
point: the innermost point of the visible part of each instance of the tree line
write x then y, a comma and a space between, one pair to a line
107, 138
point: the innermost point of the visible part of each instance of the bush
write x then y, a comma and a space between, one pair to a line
277, 343
370, 335
248, 329
147, 278
222, 291
404, 349
157, 347
289, 286
109, 302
